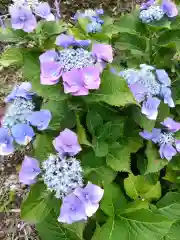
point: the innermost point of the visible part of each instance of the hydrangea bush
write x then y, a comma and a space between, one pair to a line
100, 107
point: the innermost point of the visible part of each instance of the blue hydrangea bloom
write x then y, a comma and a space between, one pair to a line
6, 142
22, 133
149, 86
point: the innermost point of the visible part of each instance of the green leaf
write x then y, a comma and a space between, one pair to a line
101, 175
43, 146
138, 225
90, 161
155, 163
11, 56
174, 231
130, 23
100, 147
169, 205
36, 207
10, 36
131, 42
62, 115
93, 120
50, 228
83, 22
139, 186
82, 137
113, 200
113, 91
142, 120
118, 158
170, 36
50, 28
137, 204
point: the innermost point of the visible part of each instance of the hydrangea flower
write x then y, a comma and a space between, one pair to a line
80, 69
23, 14
149, 86
151, 11
6, 142
29, 171
22, 133
72, 210
80, 204
62, 175
65, 41
40, 119
22, 18
23, 91
165, 138
90, 196
67, 143
93, 16
43, 10
18, 117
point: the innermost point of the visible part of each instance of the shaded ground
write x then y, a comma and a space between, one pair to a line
11, 227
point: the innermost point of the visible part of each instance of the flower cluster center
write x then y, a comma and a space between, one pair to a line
166, 138
75, 58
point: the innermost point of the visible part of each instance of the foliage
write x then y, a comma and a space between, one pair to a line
141, 191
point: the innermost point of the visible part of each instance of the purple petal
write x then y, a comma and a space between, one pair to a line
43, 10
169, 8
166, 94
30, 24
154, 135
50, 73
103, 52
6, 142
67, 143
20, 91
147, 4
177, 143
139, 91
29, 170
73, 82
167, 151
64, 40
90, 197
82, 43
99, 11
172, 125
22, 133
163, 77
150, 108
40, 119
72, 210
91, 77
48, 56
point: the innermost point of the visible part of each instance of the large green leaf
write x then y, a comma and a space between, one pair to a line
174, 232
113, 91
139, 186
113, 201
138, 225
81, 132
10, 36
100, 147
62, 115
118, 158
36, 207
43, 146
169, 205
50, 228
93, 120
169, 36
155, 163
90, 161
101, 175
130, 23
11, 56
132, 42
